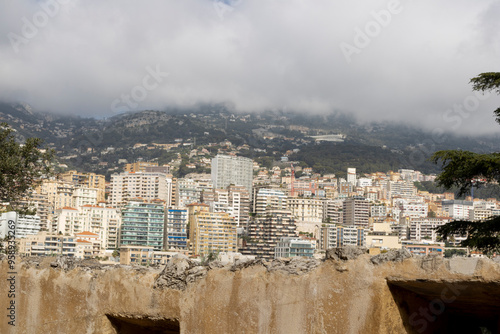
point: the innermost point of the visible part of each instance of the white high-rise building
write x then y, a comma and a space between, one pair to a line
457, 209
85, 196
22, 225
227, 170
351, 176
269, 199
103, 221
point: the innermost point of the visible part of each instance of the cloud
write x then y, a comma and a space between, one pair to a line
408, 60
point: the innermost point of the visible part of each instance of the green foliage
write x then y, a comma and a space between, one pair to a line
210, 257
462, 169
21, 167
328, 158
483, 236
489, 81
488, 190
454, 251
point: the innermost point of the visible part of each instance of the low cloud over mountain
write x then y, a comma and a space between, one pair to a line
389, 60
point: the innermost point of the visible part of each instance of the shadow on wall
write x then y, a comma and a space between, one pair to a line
144, 325
448, 307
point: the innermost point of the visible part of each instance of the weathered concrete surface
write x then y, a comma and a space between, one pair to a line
334, 296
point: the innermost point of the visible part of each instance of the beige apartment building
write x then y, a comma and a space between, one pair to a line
87, 180
211, 231
148, 186
139, 166
145, 255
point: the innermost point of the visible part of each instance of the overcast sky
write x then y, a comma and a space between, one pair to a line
379, 60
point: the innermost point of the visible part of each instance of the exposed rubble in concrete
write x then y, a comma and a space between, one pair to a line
68, 263
179, 272
394, 255
294, 266
345, 253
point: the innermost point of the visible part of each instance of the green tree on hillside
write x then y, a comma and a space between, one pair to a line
21, 167
464, 169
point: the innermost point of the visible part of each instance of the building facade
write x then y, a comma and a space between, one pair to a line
143, 224
148, 186
293, 247
176, 228
356, 212
334, 236
227, 170
211, 232
264, 232
24, 225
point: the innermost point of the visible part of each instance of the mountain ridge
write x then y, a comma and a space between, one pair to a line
269, 134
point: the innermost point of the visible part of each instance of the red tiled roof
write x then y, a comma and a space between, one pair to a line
86, 233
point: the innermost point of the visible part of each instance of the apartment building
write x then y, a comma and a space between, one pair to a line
351, 176
235, 200
103, 221
143, 224
269, 199
306, 210
139, 166
293, 247
24, 225
211, 232
148, 186
265, 231
334, 236
187, 191
87, 180
356, 212
332, 211
402, 188
48, 244
457, 209
144, 255
425, 228
227, 170
176, 221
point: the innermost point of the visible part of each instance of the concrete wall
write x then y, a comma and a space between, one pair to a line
354, 296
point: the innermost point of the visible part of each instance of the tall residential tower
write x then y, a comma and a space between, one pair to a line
227, 170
